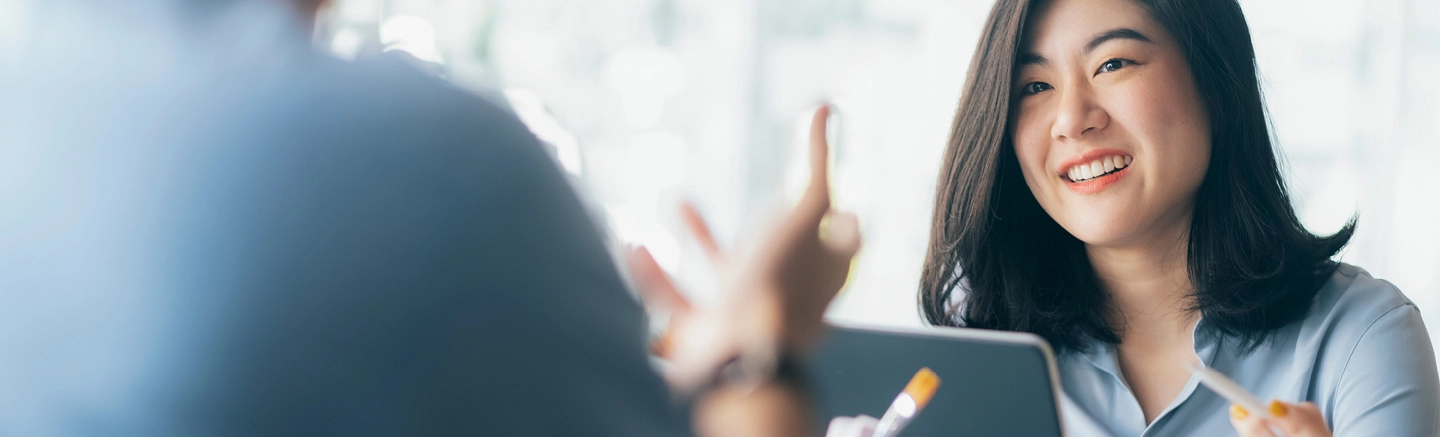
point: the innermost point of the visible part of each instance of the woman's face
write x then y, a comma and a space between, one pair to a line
1111, 134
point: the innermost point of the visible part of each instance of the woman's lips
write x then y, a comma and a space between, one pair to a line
1096, 166
1095, 185
1095, 169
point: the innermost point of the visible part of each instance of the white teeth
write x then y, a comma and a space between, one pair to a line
1098, 167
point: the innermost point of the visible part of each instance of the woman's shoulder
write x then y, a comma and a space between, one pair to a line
1350, 303
1353, 295
1373, 363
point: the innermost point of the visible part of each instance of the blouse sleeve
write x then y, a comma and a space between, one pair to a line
1389, 385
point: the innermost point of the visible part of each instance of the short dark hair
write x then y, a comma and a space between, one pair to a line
1253, 265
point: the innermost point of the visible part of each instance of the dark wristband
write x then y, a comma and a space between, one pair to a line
741, 371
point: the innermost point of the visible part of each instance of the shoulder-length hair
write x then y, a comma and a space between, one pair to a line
1254, 267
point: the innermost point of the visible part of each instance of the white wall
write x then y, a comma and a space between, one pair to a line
698, 99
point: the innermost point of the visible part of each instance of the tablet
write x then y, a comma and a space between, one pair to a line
992, 382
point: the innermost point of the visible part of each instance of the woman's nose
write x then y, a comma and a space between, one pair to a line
1078, 115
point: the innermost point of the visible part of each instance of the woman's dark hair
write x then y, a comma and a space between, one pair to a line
1254, 267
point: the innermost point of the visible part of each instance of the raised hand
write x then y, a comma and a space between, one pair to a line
775, 296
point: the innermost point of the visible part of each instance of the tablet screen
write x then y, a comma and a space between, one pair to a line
993, 383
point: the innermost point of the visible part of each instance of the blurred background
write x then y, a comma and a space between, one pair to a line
650, 102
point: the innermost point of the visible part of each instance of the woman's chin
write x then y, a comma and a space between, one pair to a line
1103, 233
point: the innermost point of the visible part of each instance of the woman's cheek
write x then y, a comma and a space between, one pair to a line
1028, 145
1166, 114
1031, 155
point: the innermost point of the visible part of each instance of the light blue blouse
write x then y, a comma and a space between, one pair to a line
1362, 355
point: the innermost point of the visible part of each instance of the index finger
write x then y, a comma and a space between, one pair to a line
816, 199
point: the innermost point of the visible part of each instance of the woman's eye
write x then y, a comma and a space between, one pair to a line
1033, 88
1112, 65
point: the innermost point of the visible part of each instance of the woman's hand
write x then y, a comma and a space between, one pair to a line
774, 298
1293, 420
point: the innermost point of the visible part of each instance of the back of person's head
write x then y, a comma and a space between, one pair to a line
211, 231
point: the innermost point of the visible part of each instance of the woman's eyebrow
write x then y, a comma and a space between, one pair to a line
1120, 33
1031, 58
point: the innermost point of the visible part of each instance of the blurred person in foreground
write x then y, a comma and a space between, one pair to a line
209, 229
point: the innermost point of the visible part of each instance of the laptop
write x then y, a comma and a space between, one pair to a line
992, 383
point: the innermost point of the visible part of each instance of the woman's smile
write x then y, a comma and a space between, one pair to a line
1096, 170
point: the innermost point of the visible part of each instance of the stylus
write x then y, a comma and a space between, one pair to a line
1229, 389
908, 404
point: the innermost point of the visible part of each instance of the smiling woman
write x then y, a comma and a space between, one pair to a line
1110, 184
